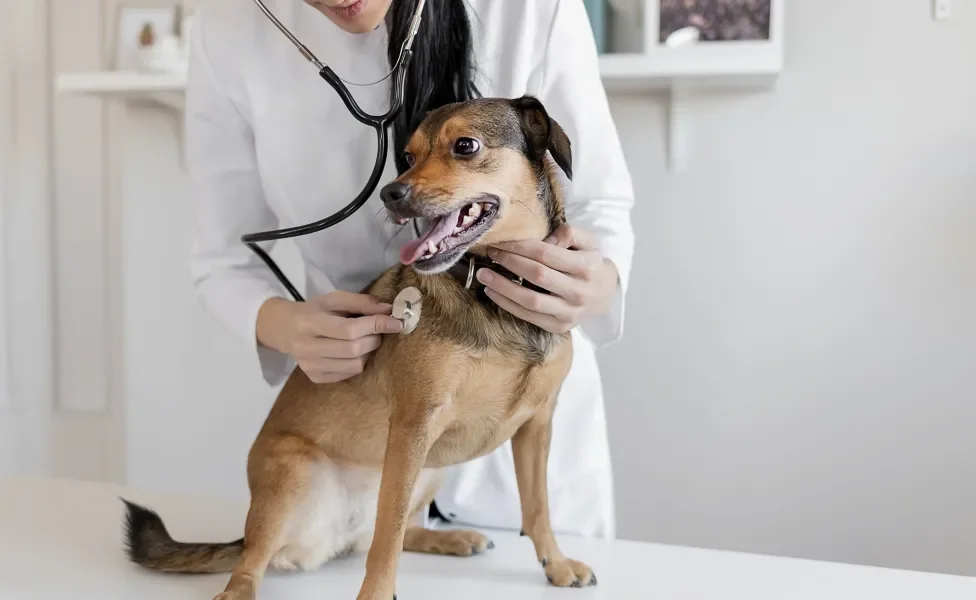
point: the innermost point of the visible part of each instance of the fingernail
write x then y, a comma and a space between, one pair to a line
549, 240
492, 253
485, 276
394, 325
386, 305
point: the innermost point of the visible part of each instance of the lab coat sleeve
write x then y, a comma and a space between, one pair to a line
227, 199
600, 196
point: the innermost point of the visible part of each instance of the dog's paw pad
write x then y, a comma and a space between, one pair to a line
451, 542
569, 573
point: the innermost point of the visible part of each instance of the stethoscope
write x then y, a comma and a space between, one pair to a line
379, 123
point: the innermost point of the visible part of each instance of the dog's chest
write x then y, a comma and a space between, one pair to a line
496, 395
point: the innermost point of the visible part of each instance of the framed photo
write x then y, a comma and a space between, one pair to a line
639, 27
714, 20
139, 26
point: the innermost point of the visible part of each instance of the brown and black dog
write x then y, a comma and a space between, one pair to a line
346, 466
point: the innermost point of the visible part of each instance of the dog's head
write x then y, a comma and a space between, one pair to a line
478, 176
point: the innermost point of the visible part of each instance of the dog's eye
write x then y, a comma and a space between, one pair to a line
466, 146
409, 158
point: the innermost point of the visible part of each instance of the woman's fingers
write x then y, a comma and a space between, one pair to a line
567, 236
328, 325
531, 300
547, 322
355, 328
330, 349
537, 251
352, 304
330, 341
542, 275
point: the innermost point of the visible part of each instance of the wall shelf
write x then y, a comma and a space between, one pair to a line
690, 71
733, 66
635, 60
680, 72
696, 68
164, 89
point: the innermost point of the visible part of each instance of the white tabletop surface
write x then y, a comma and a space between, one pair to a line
63, 540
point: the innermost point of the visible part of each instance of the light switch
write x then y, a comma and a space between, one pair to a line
941, 9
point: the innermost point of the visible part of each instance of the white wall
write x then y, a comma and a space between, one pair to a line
798, 374
798, 365
25, 259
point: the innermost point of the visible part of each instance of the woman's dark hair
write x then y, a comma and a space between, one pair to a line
442, 70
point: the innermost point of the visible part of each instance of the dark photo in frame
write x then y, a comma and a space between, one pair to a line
716, 20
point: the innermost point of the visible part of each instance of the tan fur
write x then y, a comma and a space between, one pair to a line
425, 401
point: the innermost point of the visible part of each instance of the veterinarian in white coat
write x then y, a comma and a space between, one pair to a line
271, 145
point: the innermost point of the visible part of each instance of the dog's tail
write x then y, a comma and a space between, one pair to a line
149, 544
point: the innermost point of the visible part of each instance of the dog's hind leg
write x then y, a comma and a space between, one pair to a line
453, 542
278, 471
530, 449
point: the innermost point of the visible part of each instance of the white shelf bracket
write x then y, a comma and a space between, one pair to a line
171, 100
677, 130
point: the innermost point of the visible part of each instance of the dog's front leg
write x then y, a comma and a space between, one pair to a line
412, 432
530, 448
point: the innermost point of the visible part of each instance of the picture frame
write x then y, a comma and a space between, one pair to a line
708, 21
139, 25
646, 27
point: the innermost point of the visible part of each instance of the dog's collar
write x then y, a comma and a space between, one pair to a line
465, 272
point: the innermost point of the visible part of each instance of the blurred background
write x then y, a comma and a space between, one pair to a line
798, 372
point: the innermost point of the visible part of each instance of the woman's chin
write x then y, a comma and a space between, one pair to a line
358, 17
356, 26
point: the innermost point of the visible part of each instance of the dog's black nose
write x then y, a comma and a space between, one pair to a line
395, 193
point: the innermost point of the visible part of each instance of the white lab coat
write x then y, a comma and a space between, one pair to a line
269, 144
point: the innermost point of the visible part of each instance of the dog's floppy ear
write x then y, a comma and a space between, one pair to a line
543, 133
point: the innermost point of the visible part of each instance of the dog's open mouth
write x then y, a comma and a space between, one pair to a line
449, 235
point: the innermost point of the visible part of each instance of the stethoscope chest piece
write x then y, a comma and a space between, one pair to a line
406, 307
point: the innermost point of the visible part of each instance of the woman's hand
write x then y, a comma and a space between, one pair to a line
568, 265
330, 336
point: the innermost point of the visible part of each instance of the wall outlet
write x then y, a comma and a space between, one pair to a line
941, 9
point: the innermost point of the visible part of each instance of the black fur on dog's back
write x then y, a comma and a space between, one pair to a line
150, 545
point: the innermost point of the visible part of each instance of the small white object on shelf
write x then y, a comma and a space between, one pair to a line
165, 56
683, 37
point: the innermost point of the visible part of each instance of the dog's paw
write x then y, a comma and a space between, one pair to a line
454, 543
235, 596
569, 573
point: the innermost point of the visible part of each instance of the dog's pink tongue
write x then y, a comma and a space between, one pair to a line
413, 250
442, 227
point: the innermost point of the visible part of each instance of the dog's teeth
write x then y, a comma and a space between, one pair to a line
431, 246
457, 230
467, 221
475, 210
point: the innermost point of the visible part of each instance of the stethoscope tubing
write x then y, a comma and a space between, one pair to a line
379, 123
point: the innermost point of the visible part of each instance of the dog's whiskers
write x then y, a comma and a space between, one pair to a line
531, 209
